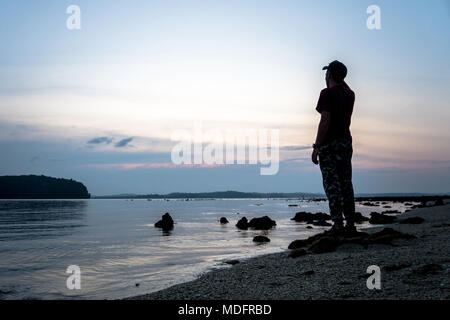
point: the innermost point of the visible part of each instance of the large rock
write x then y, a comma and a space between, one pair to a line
264, 223
327, 241
242, 224
379, 218
261, 239
166, 223
310, 217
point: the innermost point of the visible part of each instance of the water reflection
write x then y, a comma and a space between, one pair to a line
40, 218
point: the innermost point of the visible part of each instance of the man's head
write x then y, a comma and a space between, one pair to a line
336, 71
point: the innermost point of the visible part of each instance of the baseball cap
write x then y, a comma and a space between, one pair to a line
337, 69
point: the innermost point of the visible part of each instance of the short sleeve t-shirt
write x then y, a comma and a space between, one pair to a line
339, 101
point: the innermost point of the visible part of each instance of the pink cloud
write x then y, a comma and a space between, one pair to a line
147, 165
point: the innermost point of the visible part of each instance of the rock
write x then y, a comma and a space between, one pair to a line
224, 220
327, 242
309, 227
137, 284
261, 239
297, 244
359, 218
324, 244
387, 207
293, 205
310, 217
242, 224
412, 220
166, 223
303, 217
232, 262
297, 253
264, 223
379, 218
439, 202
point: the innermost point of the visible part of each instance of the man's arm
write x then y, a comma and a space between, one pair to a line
324, 124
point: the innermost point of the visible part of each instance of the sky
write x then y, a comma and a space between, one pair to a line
101, 104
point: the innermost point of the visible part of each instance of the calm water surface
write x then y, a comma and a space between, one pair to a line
116, 246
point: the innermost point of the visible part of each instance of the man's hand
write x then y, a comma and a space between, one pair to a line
314, 157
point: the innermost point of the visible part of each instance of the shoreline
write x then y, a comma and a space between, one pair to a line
410, 269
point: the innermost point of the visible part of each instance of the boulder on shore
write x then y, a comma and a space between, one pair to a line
264, 223
166, 223
327, 241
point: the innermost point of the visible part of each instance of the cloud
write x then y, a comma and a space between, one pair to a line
122, 143
143, 165
100, 140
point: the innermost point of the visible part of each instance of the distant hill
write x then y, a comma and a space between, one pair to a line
276, 195
41, 187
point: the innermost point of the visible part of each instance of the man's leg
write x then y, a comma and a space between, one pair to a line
331, 183
345, 177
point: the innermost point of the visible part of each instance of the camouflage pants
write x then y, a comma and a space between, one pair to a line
335, 159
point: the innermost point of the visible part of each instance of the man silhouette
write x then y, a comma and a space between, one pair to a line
333, 146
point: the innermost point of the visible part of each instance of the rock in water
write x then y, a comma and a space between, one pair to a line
379, 218
166, 223
264, 223
223, 220
242, 224
310, 217
261, 239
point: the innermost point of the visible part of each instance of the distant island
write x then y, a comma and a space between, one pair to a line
41, 187
277, 195
215, 195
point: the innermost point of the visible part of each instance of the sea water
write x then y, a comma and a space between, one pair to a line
119, 251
